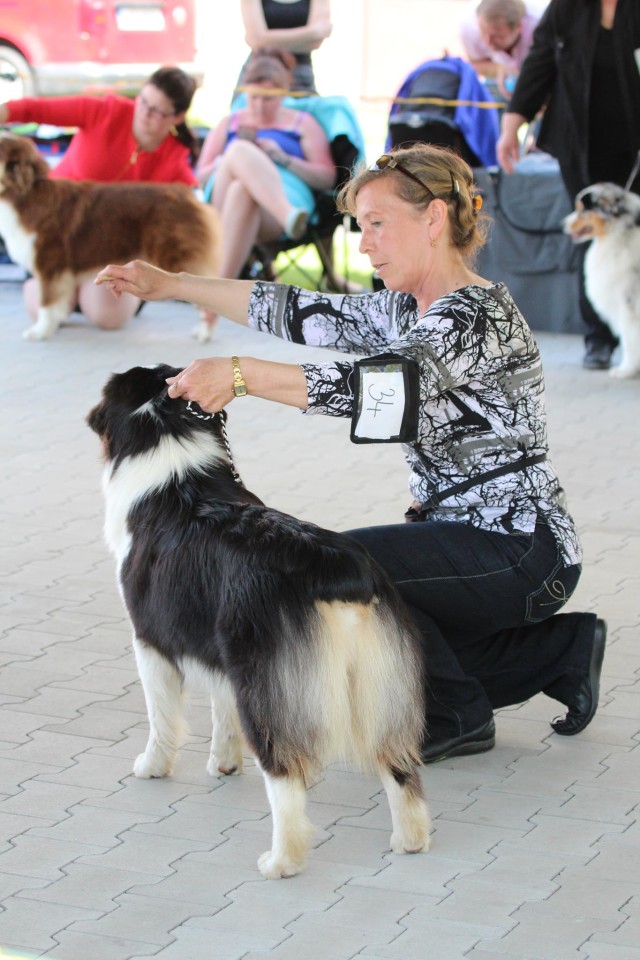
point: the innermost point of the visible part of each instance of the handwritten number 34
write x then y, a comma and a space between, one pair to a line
379, 400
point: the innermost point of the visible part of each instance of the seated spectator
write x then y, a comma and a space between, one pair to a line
261, 165
498, 39
117, 139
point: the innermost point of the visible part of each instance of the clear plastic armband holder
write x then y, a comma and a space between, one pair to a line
386, 398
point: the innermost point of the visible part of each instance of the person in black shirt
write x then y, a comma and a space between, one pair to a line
584, 66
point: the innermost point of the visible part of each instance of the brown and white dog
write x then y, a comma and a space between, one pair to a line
609, 216
63, 231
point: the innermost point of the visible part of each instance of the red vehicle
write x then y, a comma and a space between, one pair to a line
58, 47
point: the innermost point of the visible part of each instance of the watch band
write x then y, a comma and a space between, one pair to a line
239, 386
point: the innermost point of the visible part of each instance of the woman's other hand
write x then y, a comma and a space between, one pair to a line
274, 151
139, 278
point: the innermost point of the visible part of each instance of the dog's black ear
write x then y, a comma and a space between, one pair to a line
97, 420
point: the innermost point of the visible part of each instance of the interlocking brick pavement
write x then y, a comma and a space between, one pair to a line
536, 845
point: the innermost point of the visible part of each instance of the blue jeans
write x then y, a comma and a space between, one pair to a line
486, 605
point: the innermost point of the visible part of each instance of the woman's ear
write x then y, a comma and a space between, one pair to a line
437, 213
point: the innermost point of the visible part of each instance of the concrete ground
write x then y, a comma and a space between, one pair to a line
536, 845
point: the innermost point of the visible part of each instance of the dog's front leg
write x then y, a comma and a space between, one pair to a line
292, 830
226, 736
163, 694
207, 323
630, 348
54, 306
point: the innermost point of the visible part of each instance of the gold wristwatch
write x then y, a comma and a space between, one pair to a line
239, 386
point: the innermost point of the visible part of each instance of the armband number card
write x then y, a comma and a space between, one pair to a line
386, 395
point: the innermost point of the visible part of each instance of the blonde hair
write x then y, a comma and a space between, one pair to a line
445, 175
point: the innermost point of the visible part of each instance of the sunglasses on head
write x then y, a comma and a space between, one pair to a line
388, 162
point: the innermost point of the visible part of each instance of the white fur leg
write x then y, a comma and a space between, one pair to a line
630, 350
226, 736
163, 694
207, 324
409, 814
292, 830
49, 319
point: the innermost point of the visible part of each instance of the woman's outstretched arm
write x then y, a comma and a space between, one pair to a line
230, 298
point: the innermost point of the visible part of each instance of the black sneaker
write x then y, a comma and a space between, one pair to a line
476, 741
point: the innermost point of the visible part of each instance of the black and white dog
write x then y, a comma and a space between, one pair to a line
299, 636
609, 216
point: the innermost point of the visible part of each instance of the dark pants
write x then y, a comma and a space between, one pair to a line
485, 604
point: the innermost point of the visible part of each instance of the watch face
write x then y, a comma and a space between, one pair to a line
240, 390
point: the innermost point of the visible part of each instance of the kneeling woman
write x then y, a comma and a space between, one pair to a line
493, 554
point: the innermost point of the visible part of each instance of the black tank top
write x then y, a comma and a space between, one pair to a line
283, 16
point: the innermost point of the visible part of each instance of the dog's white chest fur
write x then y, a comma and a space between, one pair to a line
139, 475
19, 242
612, 274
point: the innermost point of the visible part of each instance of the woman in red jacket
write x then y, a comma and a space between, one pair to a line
117, 139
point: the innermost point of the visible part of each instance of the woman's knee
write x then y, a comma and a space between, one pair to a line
106, 312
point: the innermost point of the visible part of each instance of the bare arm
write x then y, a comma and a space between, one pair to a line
227, 297
211, 149
507, 147
294, 39
209, 382
486, 68
4, 113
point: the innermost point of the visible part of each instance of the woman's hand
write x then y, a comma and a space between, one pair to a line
207, 382
139, 278
274, 151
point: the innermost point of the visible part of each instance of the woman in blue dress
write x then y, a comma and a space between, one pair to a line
261, 165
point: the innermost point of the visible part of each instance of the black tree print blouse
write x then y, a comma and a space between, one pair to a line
481, 393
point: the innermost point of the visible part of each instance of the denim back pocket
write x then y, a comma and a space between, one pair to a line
553, 594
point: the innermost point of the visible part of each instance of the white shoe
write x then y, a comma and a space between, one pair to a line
296, 225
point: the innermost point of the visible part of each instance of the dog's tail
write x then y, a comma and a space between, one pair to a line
374, 669
351, 689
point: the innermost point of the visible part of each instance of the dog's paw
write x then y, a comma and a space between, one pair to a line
226, 766
624, 373
419, 843
273, 867
202, 332
36, 332
146, 767
206, 327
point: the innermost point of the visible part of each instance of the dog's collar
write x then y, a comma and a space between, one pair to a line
223, 427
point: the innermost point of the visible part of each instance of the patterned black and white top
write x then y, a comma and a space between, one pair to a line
481, 393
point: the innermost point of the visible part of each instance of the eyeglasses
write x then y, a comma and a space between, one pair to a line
154, 111
388, 162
